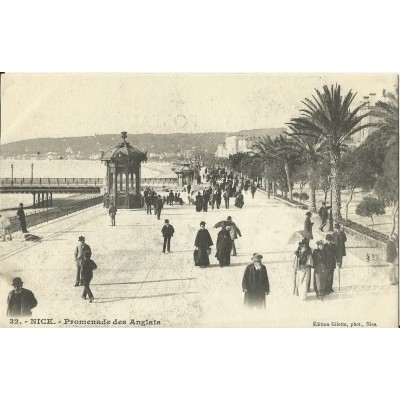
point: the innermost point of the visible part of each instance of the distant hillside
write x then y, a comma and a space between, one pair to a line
89, 147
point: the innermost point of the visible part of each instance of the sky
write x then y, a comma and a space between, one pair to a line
61, 105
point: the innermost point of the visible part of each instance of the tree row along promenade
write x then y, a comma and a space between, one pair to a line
136, 281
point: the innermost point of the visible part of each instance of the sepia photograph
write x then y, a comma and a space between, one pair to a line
199, 200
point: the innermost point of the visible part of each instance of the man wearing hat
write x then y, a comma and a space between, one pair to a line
167, 232
20, 301
339, 238
158, 205
21, 218
330, 259
80, 251
255, 283
308, 226
323, 214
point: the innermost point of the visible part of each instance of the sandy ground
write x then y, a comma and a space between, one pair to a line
136, 281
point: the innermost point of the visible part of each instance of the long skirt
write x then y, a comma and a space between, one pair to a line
202, 258
199, 207
320, 280
302, 281
254, 299
224, 257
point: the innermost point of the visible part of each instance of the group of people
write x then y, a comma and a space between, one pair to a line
152, 199
224, 247
84, 267
323, 261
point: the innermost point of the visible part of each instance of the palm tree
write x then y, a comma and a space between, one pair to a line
273, 153
386, 114
328, 118
311, 149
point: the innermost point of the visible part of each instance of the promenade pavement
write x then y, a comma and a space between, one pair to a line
136, 281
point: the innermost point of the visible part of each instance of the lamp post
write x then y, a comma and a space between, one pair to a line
12, 174
31, 172
330, 179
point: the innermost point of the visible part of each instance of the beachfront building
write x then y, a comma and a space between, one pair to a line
235, 144
123, 175
221, 151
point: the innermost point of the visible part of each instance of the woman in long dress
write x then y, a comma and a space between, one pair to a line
302, 264
203, 242
320, 270
199, 202
224, 247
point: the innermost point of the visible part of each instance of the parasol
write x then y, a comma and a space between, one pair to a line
299, 236
226, 223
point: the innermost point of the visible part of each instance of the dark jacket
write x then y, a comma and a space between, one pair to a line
323, 213
308, 225
21, 213
28, 302
203, 239
112, 210
250, 283
158, 204
340, 238
167, 231
88, 266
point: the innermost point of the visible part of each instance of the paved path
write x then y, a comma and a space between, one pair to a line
135, 280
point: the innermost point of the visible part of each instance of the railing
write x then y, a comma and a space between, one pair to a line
39, 217
52, 182
78, 181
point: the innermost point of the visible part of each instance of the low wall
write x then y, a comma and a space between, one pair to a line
39, 217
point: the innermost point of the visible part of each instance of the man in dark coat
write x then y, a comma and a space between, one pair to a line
21, 218
148, 200
255, 283
189, 186
308, 226
253, 189
111, 212
167, 232
171, 198
88, 266
218, 197
79, 253
158, 205
203, 242
20, 301
339, 238
206, 199
323, 214
331, 252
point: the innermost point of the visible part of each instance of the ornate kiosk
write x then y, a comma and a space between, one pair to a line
123, 175
185, 174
